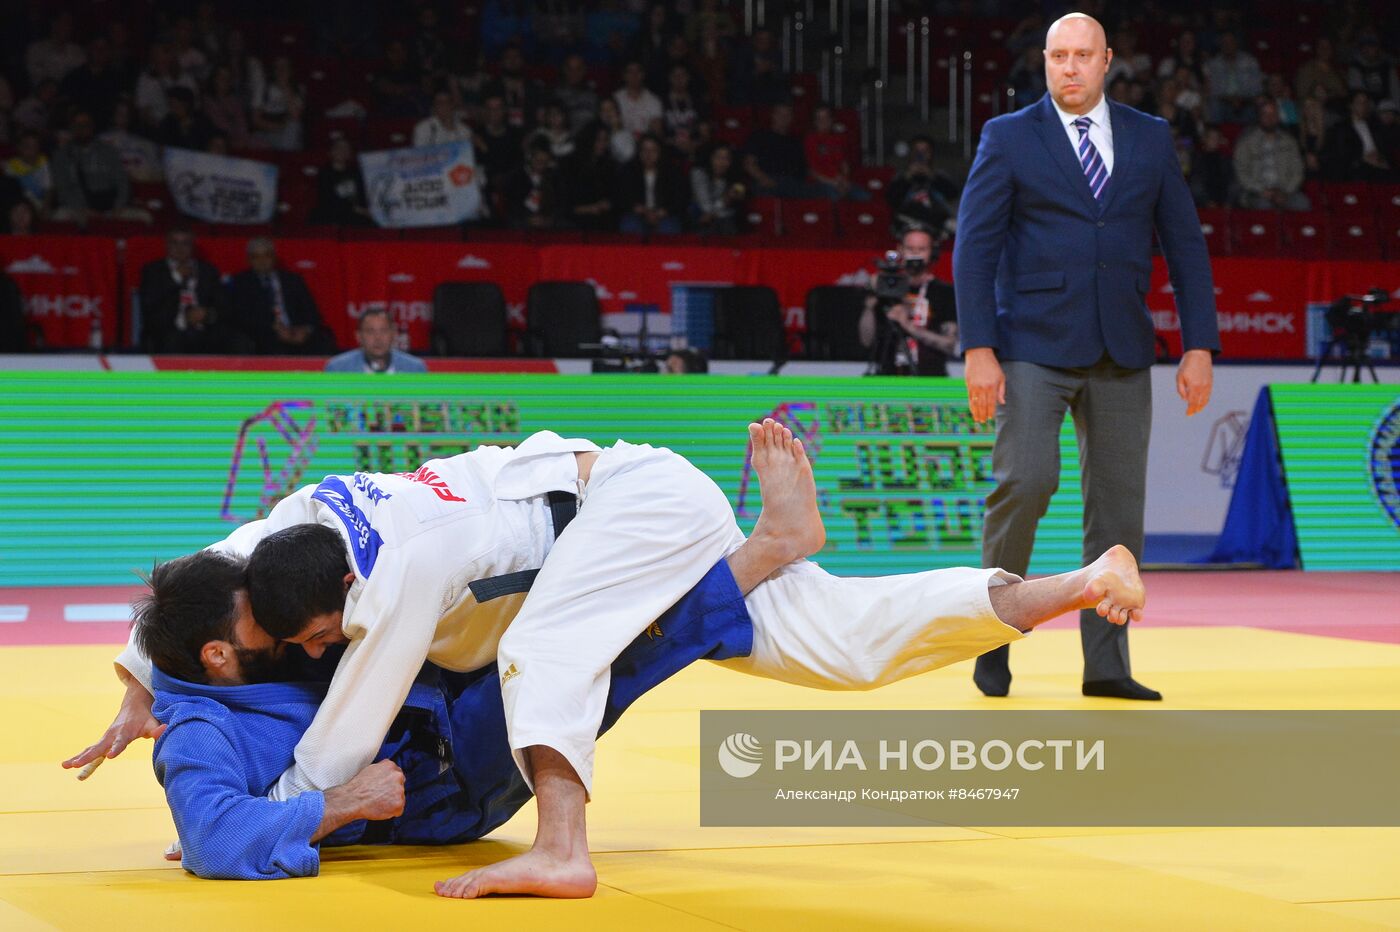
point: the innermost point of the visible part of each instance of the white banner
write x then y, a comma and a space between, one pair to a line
423, 186
220, 189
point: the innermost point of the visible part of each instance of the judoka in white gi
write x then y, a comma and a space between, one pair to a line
649, 525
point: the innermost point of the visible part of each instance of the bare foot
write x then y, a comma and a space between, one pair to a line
790, 522
1114, 588
534, 873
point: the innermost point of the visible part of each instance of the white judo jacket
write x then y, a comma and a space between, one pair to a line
415, 541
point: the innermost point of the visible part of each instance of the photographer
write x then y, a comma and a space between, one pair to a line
910, 322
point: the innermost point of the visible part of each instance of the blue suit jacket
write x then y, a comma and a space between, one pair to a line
354, 361
1046, 274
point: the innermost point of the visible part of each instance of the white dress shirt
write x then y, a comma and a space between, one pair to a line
1100, 131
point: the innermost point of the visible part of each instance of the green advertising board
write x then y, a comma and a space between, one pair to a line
1341, 461
108, 472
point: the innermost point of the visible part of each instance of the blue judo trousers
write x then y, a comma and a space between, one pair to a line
225, 746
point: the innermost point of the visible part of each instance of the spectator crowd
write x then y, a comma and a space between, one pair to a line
620, 116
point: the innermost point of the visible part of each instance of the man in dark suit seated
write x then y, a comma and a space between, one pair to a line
1052, 262
184, 308
275, 309
1352, 150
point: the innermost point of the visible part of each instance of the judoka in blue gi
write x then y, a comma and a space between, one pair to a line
444, 774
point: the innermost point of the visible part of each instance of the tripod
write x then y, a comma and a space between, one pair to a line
1350, 321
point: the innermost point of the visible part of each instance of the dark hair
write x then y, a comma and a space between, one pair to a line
693, 360
370, 311
294, 575
915, 226
191, 603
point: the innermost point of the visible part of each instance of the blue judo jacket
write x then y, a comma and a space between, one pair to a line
225, 746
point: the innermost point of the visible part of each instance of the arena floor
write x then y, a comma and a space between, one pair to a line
89, 855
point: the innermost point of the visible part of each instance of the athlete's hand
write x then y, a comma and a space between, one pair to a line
1193, 379
986, 383
133, 721
378, 791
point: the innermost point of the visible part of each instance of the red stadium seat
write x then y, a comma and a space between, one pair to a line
306, 164
1305, 234
764, 215
801, 113
733, 124
809, 221
1269, 54
1386, 197
732, 116
847, 121
1388, 219
1215, 227
873, 178
153, 196
1355, 237
386, 133
991, 65
1390, 236
1348, 197
325, 130
864, 223
1255, 232
984, 107
296, 196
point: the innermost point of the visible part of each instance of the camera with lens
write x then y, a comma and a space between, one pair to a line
1351, 319
613, 355
894, 276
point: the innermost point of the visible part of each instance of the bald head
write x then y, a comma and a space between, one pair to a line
1082, 25
1076, 62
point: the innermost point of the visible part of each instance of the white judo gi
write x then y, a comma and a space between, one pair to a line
649, 526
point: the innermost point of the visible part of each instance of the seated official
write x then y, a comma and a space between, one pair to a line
184, 308
376, 333
444, 774
274, 307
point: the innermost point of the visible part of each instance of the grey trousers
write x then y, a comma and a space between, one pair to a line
1112, 409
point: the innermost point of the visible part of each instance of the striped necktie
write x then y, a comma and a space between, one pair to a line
1090, 160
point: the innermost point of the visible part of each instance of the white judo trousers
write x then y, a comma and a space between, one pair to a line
650, 526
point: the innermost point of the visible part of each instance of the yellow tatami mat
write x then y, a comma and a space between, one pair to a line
88, 856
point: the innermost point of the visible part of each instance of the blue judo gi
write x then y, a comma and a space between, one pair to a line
225, 746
